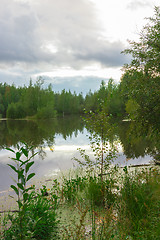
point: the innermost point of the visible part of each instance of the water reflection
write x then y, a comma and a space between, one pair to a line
38, 133
139, 141
63, 136
133, 138
61, 131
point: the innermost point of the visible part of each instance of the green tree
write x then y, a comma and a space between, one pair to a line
109, 95
15, 110
145, 53
141, 80
90, 102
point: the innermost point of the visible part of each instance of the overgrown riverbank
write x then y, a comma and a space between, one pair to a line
79, 206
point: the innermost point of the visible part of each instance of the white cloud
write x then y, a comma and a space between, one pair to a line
135, 4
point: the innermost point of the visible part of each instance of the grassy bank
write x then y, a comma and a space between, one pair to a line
125, 206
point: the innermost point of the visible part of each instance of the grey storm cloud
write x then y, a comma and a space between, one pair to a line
54, 33
108, 54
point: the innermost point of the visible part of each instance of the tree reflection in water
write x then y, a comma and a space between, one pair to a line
135, 139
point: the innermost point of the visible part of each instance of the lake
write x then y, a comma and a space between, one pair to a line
57, 141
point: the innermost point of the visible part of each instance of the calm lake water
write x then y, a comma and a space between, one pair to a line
57, 142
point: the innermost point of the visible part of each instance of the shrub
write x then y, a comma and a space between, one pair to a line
16, 110
46, 112
39, 222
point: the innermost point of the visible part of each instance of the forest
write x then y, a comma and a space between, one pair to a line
36, 101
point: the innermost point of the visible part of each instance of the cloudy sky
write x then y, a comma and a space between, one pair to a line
73, 44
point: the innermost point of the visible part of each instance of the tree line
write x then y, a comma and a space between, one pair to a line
39, 102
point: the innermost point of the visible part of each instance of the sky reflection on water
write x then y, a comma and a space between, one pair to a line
59, 159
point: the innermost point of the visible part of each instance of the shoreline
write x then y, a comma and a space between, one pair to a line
8, 199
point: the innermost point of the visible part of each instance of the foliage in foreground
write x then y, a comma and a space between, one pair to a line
39, 222
131, 209
125, 205
35, 217
138, 212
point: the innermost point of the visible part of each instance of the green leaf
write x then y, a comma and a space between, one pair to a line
23, 179
19, 203
25, 152
18, 155
25, 205
20, 185
9, 149
33, 155
14, 159
15, 189
25, 196
28, 165
20, 173
27, 189
11, 166
30, 176
10, 196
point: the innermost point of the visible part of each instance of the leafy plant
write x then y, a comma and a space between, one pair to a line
100, 128
20, 188
40, 220
41, 216
36, 216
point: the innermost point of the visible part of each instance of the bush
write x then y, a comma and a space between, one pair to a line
46, 112
71, 188
15, 110
39, 223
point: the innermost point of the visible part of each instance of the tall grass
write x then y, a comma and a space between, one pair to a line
131, 209
139, 205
